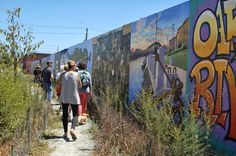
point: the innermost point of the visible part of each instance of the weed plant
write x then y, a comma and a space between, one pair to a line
21, 113
158, 133
190, 137
116, 135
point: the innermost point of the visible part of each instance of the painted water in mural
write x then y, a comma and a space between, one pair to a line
159, 51
211, 70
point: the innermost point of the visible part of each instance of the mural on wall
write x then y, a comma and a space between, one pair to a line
159, 52
64, 57
211, 67
111, 59
57, 58
82, 52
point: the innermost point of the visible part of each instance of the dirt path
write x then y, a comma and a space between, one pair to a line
83, 146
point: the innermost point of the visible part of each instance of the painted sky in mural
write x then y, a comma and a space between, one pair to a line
211, 69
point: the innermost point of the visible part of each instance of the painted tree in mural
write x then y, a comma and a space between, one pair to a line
17, 42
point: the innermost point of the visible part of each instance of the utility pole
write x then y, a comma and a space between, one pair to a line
86, 34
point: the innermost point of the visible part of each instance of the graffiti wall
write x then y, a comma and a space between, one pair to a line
159, 51
211, 68
111, 59
189, 47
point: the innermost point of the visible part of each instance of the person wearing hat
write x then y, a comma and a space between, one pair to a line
37, 73
47, 78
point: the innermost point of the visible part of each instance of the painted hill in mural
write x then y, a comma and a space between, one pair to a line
140, 53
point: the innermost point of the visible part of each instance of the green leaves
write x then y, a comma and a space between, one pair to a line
189, 137
15, 100
18, 41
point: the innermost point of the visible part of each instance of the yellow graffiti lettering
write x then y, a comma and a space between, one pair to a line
223, 45
202, 86
202, 48
229, 6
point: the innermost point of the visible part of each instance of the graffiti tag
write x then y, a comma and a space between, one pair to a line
215, 58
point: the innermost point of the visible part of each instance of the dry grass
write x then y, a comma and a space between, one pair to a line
159, 135
40, 148
118, 136
5, 148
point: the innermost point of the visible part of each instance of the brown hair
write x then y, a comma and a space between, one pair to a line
71, 64
82, 65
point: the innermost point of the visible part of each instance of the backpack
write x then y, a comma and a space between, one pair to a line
85, 80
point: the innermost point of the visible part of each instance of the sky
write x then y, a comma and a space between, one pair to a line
62, 23
144, 31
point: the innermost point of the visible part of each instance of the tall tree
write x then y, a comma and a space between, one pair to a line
17, 41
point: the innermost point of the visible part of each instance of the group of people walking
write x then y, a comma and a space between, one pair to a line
73, 87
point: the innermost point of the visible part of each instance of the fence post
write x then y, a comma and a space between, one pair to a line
29, 130
12, 150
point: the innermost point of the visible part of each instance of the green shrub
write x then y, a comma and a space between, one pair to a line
190, 137
112, 96
15, 100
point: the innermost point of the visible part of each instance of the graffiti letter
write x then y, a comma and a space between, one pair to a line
202, 86
202, 48
230, 6
223, 46
232, 90
220, 67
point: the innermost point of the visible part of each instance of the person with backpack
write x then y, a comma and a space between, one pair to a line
86, 89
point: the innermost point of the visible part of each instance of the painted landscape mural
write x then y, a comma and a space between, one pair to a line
82, 52
57, 62
159, 52
211, 68
110, 60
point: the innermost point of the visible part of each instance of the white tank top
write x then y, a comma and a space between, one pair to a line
69, 88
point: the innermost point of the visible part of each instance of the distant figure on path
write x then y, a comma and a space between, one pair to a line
47, 78
86, 89
70, 82
37, 73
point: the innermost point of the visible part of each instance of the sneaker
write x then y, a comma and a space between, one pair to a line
65, 137
65, 134
72, 133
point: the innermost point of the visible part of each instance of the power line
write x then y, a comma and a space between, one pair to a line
55, 26
63, 27
59, 27
58, 33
